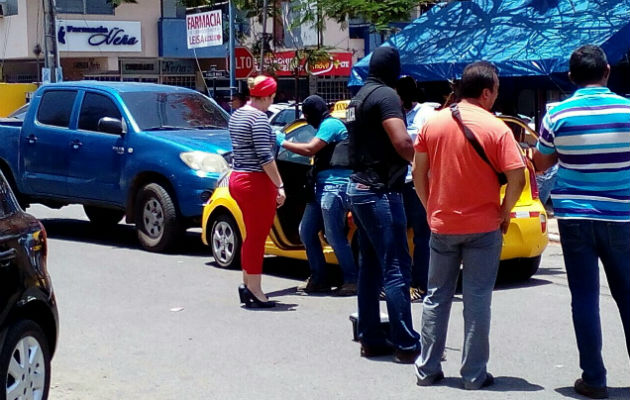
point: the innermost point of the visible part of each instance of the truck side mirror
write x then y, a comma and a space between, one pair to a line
110, 125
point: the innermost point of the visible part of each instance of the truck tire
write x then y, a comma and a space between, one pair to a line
156, 218
103, 217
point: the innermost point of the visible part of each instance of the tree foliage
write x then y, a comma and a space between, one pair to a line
379, 13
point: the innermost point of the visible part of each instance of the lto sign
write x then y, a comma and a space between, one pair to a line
244, 62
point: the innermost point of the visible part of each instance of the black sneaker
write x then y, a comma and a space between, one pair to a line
310, 286
431, 379
376, 351
592, 392
347, 289
407, 356
487, 382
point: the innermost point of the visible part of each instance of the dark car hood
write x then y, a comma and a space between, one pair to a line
210, 140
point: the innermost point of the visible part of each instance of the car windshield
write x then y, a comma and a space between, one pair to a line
174, 111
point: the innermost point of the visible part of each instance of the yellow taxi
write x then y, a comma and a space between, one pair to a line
223, 228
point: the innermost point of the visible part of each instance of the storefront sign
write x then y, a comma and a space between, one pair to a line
99, 36
139, 66
204, 29
178, 67
339, 64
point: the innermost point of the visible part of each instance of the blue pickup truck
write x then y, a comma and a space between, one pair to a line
152, 153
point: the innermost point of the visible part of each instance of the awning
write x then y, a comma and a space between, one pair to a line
521, 37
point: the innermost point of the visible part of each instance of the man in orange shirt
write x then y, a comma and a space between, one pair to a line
461, 193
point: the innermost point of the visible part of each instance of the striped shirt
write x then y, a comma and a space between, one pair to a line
252, 139
590, 131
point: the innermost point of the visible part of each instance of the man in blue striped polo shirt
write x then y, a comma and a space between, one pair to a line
589, 134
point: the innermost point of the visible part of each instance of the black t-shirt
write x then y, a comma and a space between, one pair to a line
374, 156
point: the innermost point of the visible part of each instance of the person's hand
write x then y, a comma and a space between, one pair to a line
279, 138
281, 197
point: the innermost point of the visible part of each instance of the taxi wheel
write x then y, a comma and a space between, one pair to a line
518, 269
225, 242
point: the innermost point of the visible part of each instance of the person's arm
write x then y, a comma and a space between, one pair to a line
545, 155
397, 132
271, 169
543, 162
513, 190
420, 173
305, 149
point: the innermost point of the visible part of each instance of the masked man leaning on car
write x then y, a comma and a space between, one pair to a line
380, 151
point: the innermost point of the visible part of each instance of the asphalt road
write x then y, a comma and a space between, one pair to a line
138, 325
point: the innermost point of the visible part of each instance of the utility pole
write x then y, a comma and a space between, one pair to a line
231, 46
51, 52
264, 34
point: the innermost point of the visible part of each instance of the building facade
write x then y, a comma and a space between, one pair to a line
146, 42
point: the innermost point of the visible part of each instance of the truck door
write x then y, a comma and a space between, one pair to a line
96, 157
44, 144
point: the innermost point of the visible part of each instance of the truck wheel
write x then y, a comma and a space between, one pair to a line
225, 242
156, 218
518, 269
103, 217
24, 362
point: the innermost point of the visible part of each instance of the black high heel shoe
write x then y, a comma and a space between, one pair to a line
241, 293
252, 301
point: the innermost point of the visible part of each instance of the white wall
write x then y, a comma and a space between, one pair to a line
14, 41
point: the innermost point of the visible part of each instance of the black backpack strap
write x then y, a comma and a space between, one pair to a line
474, 142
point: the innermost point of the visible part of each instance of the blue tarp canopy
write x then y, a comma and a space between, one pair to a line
521, 37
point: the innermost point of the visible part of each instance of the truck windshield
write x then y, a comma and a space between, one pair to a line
162, 111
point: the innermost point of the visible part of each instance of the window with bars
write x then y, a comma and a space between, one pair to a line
333, 88
84, 7
102, 78
179, 80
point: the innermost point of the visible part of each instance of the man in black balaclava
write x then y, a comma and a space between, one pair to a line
329, 205
380, 152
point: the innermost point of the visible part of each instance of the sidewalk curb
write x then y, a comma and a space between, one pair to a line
554, 237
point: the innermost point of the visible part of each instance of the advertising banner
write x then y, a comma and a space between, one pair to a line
99, 36
339, 64
204, 29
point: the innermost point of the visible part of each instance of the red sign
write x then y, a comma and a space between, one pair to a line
339, 64
244, 62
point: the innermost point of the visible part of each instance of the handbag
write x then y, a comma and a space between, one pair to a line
473, 140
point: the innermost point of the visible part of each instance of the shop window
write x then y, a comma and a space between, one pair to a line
56, 107
84, 7
94, 107
332, 88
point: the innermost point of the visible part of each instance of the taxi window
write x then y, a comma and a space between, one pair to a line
303, 134
523, 134
284, 117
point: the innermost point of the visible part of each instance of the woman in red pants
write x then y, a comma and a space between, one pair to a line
255, 184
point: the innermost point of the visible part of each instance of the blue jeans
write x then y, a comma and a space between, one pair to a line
417, 219
384, 262
583, 243
545, 183
328, 212
479, 253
